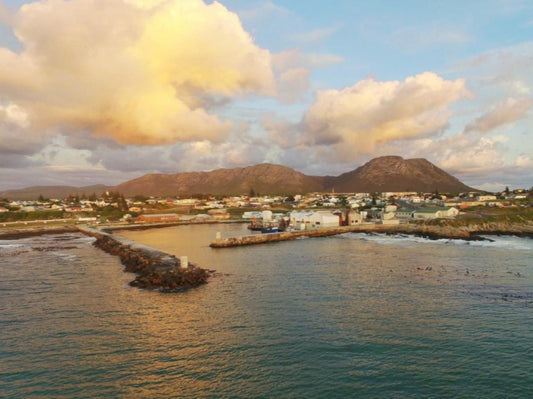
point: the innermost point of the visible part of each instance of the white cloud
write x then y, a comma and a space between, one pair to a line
132, 70
355, 119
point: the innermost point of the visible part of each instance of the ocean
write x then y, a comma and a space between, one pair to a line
354, 315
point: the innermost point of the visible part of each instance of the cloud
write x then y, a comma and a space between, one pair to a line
5, 14
292, 70
139, 72
355, 119
503, 113
315, 36
507, 68
297, 58
264, 10
14, 139
416, 38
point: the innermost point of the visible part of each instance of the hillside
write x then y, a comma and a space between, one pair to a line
393, 173
33, 193
264, 179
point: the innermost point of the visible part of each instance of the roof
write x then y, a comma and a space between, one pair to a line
159, 215
431, 209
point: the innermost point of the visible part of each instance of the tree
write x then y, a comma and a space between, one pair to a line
506, 190
251, 193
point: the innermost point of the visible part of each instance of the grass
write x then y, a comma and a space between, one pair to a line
480, 215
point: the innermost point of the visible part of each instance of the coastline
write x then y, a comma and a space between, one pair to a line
468, 233
154, 269
430, 231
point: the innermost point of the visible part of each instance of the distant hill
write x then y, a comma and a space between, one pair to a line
32, 193
393, 173
390, 173
263, 179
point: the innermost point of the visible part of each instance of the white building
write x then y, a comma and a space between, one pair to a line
434, 213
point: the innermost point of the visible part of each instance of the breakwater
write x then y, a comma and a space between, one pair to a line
469, 232
154, 269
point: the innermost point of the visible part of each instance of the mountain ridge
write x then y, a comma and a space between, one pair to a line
382, 174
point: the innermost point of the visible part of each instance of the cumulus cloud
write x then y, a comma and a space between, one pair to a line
506, 112
139, 72
356, 119
5, 14
14, 139
292, 70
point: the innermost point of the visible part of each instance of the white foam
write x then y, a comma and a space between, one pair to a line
506, 242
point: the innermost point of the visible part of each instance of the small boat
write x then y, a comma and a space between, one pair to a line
255, 225
269, 229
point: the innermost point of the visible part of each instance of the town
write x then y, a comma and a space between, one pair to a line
296, 212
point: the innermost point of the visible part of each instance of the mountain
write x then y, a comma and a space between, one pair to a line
33, 193
263, 179
390, 173
393, 173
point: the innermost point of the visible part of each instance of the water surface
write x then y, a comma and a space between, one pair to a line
354, 315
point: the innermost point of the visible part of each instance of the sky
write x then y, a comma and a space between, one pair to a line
103, 91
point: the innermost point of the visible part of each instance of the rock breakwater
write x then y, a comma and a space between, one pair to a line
155, 270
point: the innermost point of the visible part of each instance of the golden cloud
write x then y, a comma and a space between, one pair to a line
507, 112
357, 118
139, 72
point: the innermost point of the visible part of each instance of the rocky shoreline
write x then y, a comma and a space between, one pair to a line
16, 234
155, 270
433, 232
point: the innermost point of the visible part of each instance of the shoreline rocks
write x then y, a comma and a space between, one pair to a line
432, 232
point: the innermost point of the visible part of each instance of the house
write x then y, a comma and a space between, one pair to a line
486, 198
2, 209
435, 212
353, 218
404, 214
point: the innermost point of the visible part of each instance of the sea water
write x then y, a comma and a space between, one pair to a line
354, 315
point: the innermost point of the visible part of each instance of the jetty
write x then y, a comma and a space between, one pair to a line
154, 269
254, 239
471, 232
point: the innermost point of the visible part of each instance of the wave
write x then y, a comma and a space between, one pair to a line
504, 242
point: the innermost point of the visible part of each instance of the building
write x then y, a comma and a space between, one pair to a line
435, 212
158, 218
353, 218
322, 219
312, 220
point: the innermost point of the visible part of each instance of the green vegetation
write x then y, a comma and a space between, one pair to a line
26, 216
481, 215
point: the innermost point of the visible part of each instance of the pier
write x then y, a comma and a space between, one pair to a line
255, 239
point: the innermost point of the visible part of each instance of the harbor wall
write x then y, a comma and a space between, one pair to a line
155, 270
471, 232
